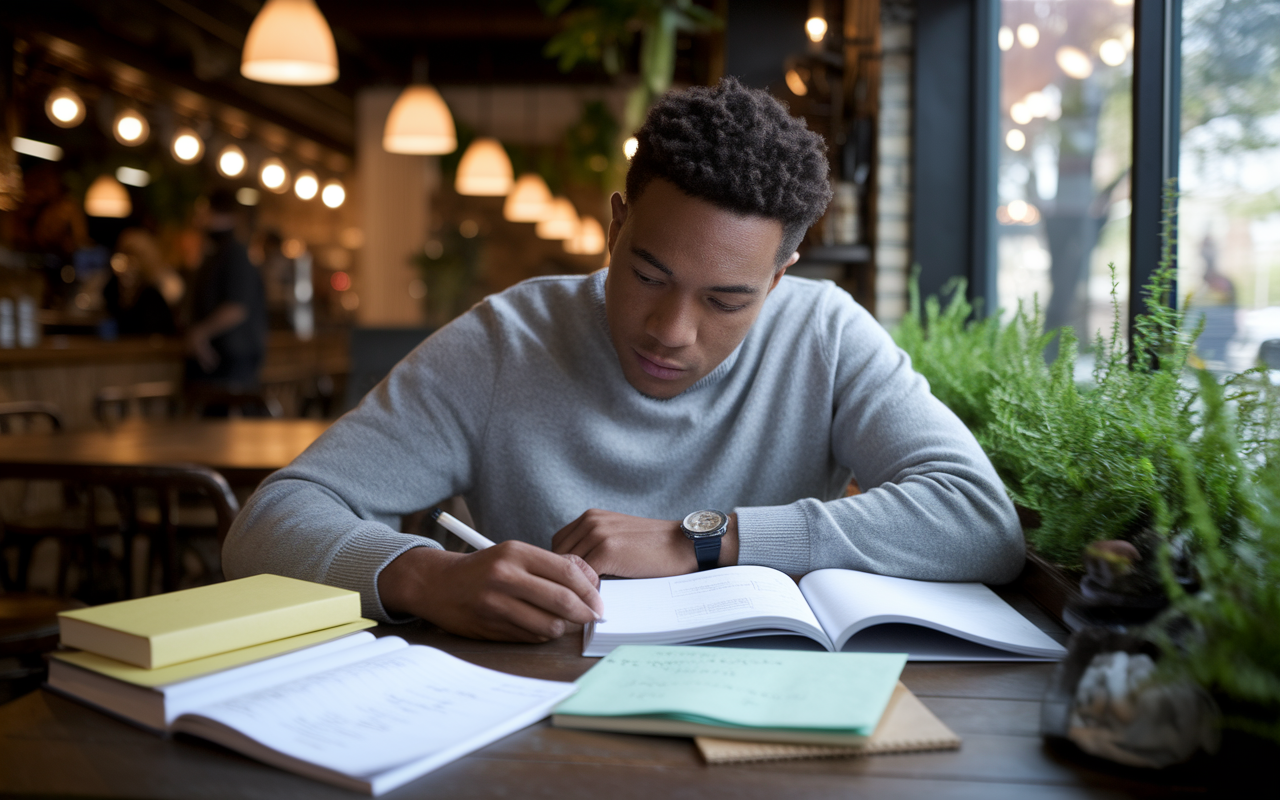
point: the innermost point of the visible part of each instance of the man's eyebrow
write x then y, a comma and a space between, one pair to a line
653, 260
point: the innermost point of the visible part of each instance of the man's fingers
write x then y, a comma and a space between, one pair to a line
567, 537
581, 564
519, 619
568, 586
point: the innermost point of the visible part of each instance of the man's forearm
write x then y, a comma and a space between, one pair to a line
222, 319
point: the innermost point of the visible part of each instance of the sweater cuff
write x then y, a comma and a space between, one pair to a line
774, 536
361, 559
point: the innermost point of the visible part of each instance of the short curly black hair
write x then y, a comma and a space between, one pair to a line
739, 149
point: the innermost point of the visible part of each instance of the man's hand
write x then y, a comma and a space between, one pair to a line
510, 592
635, 547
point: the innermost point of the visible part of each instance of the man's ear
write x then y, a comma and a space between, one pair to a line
782, 270
619, 209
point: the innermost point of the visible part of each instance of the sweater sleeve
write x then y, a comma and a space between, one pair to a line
932, 506
333, 515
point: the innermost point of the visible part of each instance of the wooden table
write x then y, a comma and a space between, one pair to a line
53, 746
244, 450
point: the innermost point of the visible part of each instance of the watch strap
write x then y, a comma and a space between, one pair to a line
707, 551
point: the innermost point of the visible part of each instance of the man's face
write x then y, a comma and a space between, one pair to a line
686, 281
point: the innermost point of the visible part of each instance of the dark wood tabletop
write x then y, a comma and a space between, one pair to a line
244, 450
53, 746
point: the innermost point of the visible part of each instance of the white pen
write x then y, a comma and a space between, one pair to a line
461, 529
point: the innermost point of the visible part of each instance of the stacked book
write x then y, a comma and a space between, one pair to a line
284, 671
757, 705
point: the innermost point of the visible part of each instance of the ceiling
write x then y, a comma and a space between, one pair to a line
157, 47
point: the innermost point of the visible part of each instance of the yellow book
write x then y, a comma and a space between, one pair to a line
167, 629
187, 670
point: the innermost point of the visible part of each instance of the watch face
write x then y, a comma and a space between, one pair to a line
702, 523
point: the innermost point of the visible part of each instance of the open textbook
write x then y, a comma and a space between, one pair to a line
358, 712
839, 609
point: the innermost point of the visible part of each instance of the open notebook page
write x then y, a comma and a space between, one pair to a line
847, 601
703, 604
384, 720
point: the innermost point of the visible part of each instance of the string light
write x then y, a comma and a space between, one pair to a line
274, 176
130, 128
333, 194
1028, 35
231, 162
1112, 52
64, 108
1016, 139
1074, 62
306, 185
630, 146
188, 147
1005, 37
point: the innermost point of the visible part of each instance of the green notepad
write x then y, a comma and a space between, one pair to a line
765, 695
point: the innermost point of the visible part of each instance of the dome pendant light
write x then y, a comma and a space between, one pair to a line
290, 43
529, 201
589, 239
419, 123
561, 223
485, 169
107, 198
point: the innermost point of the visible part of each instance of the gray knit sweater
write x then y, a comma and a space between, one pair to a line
521, 406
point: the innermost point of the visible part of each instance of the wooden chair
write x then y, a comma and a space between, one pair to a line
27, 415
114, 404
145, 499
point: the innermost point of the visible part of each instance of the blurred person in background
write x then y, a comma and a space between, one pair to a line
227, 337
142, 289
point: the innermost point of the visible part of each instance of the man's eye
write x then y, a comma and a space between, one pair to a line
646, 280
723, 306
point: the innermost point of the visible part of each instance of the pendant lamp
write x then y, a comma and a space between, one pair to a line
419, 123
290, 43
64, 107
561, 223
485, 170
107, 198
529, 201
589, 239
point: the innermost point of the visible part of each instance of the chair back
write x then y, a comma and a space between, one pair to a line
374, 351
114, 404
24, 415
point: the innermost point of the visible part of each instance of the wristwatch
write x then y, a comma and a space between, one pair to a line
706, 529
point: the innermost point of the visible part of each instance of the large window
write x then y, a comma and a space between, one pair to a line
1065, 153
1229, 169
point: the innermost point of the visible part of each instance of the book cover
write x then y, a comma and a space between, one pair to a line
167, 629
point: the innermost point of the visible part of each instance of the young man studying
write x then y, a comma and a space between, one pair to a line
587, 419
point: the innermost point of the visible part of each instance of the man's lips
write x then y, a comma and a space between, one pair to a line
659, 369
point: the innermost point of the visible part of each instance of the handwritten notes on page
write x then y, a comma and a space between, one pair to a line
406, 711
725, 686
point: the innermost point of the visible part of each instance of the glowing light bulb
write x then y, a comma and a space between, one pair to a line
816, 27
130, 128
1016, 139
274, 176
630, 146
333, 194
231, 162
1020, 113
188, 147
1005, 37
307, 185
64, 108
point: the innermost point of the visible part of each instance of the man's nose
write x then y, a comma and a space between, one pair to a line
673, 323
